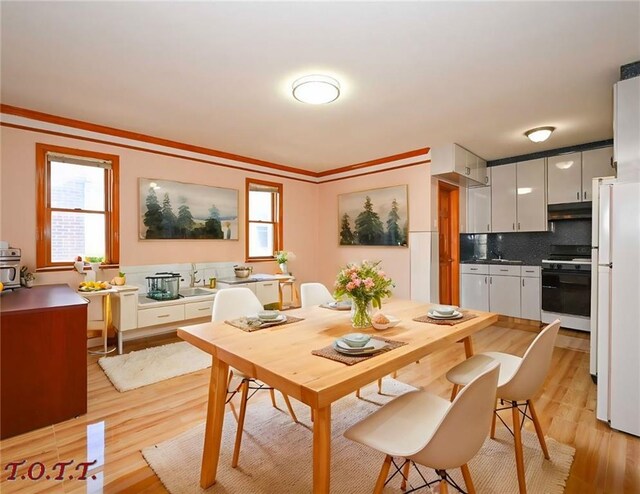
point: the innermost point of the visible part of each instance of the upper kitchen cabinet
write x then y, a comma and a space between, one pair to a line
531, 196
570, 175
503, 198
595, 163
518, 200
479, 209
564, 178
458, 165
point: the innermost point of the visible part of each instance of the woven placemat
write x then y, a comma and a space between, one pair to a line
331, 353
250, 324
466, 315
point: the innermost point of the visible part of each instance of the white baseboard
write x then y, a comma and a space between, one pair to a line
580, 323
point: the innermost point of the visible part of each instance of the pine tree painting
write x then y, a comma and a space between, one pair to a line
374, 217
203, 212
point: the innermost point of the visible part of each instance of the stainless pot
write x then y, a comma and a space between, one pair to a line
242, 271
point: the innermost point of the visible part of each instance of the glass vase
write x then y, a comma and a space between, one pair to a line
361, 312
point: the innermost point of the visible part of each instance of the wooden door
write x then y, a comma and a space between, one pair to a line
448, 240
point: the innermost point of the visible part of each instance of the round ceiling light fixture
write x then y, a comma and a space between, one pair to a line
316, 89
539, 134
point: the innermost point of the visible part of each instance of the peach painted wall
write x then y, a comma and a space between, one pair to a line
18, 205
395, 260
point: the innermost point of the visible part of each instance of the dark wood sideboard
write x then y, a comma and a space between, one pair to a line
43, 358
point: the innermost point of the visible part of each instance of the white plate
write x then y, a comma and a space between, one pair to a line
435, 315
273, 319
376, 344
278, 320
342, 305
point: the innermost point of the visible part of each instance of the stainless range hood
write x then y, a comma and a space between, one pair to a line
569, 211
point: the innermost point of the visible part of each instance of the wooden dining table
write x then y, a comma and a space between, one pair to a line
280, 356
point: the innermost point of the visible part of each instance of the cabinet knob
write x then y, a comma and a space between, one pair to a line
522, 281
578, 195
513, 226
585, 194
518, 225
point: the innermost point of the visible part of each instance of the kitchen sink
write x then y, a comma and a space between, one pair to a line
194, 292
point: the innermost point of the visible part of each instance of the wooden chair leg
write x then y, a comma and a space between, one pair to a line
273, 398
444, 487
230, 378
289, 407
243, 411
454, 391
394, 374
466, 475
358, 393
313, 415
380, 386
539, 432
405, 474
382, 476
517, 435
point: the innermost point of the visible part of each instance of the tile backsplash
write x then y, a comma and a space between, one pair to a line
530, 247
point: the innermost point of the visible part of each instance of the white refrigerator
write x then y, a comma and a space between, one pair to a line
617, 295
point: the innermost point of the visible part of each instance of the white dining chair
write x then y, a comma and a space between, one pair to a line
424, 429
520, 379
314, 294
232, 303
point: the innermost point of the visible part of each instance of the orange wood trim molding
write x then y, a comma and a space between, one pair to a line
43, 210
102, 129
375, 171
152, 151
87, 126
379, 161
279, 232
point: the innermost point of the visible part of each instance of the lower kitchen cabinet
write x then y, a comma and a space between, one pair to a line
504, 295
530, 297
267, 292
508, 290
474, 287
160, 315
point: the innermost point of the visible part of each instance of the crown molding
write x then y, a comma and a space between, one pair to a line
35, 121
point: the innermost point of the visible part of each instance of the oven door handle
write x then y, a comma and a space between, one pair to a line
550, 287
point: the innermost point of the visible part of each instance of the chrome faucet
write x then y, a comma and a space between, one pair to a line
192, 274
498, 254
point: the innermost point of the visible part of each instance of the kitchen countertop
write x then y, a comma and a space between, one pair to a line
496, 262
146, 302
237, 281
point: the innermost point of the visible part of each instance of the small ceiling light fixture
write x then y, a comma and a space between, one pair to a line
539, 134
316, 89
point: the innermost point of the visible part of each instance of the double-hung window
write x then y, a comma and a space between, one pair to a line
77, 206
264, 219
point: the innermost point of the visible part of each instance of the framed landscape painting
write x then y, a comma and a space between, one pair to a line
175, 210
374, 217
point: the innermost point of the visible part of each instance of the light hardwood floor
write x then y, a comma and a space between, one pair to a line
118, 425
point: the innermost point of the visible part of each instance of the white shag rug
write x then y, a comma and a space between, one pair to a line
276, 455
151, 365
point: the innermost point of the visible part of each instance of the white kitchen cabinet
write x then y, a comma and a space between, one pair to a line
564, 178
478, 210
530, 304
124, 310
267, 292
160, 315
195, 310
531, 196
503, 198
474, 286
474, 291
595, 163
504, 295
458, 165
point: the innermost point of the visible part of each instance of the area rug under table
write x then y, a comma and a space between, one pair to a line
151, 365
276, 454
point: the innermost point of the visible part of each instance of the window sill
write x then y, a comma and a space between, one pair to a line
260, 259
53, 269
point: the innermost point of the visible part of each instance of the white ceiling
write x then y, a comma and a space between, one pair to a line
413, 74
